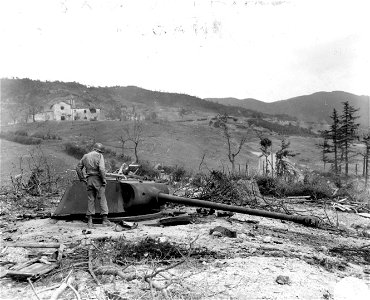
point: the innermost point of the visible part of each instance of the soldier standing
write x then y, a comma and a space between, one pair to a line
95, 180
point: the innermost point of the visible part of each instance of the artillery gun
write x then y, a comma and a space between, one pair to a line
132, 199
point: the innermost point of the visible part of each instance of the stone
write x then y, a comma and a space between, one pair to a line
283, 280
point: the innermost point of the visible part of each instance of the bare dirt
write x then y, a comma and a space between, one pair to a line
245, 267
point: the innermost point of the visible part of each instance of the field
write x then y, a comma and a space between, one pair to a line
168, 143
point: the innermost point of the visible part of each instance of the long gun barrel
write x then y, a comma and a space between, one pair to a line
305, 220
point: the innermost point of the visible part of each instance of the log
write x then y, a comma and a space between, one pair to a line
35, 245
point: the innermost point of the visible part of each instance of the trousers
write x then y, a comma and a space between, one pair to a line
96, 192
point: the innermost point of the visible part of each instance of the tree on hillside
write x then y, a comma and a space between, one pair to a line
134, 133
335, 135
366, 141
281, 155
266, 151
233, 148
348, 131
27, 94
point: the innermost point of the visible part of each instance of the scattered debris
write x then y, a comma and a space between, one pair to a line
221, 213
32, 269
365, 215
178, 220
205, 211
355, 254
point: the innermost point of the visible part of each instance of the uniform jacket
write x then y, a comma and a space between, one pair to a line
94, 165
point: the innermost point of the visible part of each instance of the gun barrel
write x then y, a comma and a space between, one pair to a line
305, 220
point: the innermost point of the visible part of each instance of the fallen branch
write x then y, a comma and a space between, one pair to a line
74, 291
65, 283
109, 271
33, 288
91, 268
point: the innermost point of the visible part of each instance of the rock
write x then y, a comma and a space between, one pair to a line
217, 234
224, 231
283, 280
267, 239
163, 239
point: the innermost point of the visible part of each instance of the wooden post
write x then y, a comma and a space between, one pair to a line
246, 169
272, 165
364, 166
356, 169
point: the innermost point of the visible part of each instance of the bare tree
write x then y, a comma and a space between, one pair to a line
134, 133
233, 149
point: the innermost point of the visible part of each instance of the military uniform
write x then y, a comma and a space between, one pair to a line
95, 180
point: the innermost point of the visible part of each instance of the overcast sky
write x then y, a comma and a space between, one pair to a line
268, 50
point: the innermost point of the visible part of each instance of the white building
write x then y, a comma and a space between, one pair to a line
63, 111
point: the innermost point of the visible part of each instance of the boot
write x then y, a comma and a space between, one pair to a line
106, 222
90, 223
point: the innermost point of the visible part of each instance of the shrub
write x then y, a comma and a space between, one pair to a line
178, 173
124, 158
112, 164
147, 170
46, 136
316, 187
76, 150
21, 132
21, 139
268, 186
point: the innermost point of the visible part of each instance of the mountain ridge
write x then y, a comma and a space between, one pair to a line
316, 107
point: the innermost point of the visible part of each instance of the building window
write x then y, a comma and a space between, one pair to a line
62, 107
93, 110
63, 118
85, 111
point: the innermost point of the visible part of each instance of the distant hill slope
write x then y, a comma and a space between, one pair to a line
20, 94
310, 108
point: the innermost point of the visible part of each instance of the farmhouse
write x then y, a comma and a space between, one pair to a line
64, 111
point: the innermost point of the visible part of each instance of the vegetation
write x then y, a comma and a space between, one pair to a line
21, 138
222, 122
281, 129
78, 150
337, 147
316, 187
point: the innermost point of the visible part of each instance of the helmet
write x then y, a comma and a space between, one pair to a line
98, 147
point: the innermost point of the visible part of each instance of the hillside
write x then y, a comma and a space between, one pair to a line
24, 96
316, 107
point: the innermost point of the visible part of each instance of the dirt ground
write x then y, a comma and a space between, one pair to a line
245, 267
